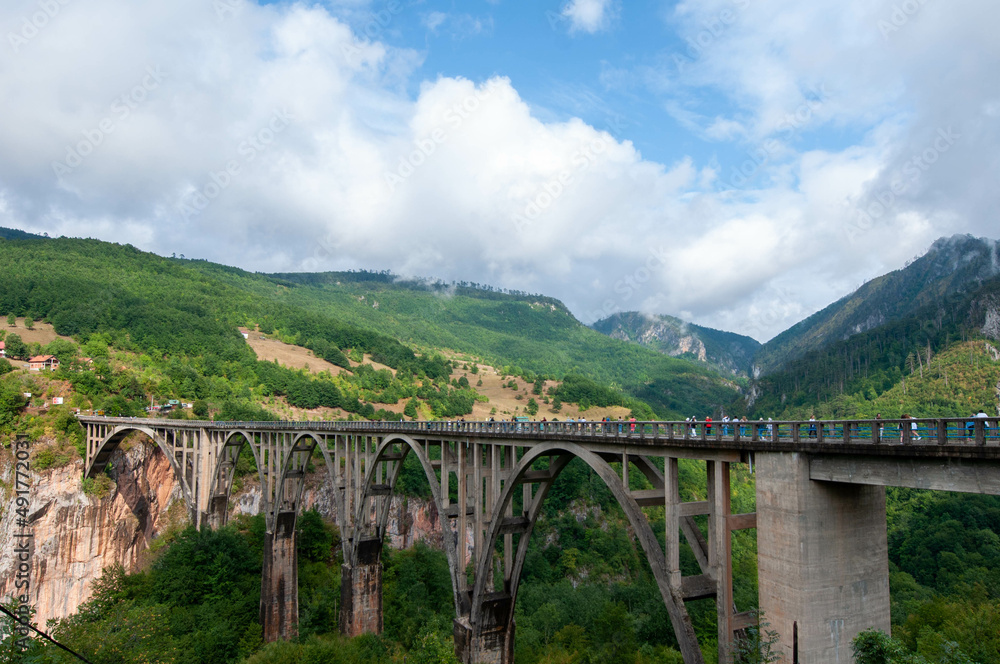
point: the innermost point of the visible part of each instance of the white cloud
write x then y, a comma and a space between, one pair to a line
589, 16
457, 26
299, 139
435, 20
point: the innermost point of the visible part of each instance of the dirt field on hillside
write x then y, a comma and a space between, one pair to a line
42, 332
505, 400
293, 357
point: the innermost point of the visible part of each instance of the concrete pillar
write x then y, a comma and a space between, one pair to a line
492, 641
822, 558
361, 591
218, 512
279, 592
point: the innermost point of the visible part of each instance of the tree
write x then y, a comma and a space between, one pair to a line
758, 646
11, 320
15, 638
200, 408
874, 646
16, 348
532, 407
29, 323
411, 409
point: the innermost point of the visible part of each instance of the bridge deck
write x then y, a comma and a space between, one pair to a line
943, 437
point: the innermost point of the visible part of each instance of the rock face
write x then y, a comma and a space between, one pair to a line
728, 352
75, 536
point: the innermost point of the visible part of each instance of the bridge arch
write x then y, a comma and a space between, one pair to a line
224, 474
111, 443
491, 619
364, 522
385, 453
291, 480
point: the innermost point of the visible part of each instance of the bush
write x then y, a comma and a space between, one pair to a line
100, 487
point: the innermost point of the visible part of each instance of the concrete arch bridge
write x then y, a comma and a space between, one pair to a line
820, 520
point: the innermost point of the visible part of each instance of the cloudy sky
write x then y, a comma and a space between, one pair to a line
739, 163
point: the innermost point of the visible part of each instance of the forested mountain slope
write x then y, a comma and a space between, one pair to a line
726, 351
526, 333
951, 266
15, 234
170, 307
873, 362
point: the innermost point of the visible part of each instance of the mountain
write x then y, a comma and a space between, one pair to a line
15, 234
165, 307
867, 365
726, 351
952, 265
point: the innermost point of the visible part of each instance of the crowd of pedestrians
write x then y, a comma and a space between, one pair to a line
906, 429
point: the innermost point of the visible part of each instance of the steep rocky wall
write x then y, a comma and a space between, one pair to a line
76, 535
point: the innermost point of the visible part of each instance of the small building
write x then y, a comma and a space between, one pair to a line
3, 349
43, 363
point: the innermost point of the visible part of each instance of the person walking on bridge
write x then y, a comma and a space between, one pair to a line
981, 415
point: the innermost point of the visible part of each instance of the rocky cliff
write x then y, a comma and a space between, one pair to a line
75, 535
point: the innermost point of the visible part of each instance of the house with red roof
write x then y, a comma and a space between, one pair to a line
43, 362
3, 349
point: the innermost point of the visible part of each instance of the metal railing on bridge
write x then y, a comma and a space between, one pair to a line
910, 431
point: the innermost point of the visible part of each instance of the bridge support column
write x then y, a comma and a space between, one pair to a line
218, 512
493, 642
279, 594
822, 558
361, 591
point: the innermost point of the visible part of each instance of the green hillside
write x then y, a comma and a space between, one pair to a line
15, 234
952, 266
190, 311
525, 333
727, 352
871, 363
954, 383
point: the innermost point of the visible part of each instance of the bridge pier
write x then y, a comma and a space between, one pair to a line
361, 591
492, 643
279, 593
822, 558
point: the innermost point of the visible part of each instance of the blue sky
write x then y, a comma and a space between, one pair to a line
737, 163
